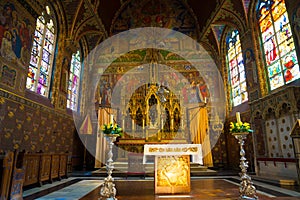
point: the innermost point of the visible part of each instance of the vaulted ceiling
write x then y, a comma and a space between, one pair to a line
92, 19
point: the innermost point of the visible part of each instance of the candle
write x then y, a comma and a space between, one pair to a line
132, 124
143, 124
204, 99
112, 119
238, 117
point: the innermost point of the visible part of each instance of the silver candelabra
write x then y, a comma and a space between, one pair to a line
247, 190
107, 189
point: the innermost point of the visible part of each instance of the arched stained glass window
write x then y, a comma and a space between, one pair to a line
42, 54
237, 76
278, 45
74, 80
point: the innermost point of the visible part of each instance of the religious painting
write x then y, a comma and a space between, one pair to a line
8, 76
105, 91
251, 68
15, 34
171, 14
172, 174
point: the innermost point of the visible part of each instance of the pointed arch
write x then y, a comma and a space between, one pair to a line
42, 53
277, 43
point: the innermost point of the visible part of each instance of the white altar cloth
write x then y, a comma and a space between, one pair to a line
174, 149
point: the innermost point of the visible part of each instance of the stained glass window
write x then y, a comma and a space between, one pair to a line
278, 45
39, 71
237, 76
74, 80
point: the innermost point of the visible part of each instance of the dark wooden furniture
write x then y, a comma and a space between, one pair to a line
16, 189
45, 168
135, 165
6, 169
42, 167
32, 166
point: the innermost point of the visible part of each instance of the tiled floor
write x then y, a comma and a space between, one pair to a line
226, 187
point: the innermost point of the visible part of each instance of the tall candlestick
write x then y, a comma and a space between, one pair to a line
112, 119
238, 117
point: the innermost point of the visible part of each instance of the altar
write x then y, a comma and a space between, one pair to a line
172, 166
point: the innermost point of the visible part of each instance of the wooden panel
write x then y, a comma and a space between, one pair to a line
54, 166
16, 192
31, 163
6, 168
62, 165
45, 167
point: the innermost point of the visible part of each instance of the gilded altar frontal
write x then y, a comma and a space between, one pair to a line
172, 174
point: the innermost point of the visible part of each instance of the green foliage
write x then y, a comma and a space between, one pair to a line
112, 129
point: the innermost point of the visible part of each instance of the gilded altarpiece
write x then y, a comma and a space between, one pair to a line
172, 174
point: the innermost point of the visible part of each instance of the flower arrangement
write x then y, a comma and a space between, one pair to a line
239, 126
112, 129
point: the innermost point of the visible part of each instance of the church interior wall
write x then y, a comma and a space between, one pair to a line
272, 113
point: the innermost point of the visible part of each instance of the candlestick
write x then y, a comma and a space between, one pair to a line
238, 117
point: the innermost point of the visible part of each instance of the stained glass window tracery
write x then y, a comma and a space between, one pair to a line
278, 45
74, 80
42, 54
237, 76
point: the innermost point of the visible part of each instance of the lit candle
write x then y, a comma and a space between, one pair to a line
143, 124
112, 119
238, 117
132, 124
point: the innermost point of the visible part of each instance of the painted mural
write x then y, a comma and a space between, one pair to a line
171, 14
15, 34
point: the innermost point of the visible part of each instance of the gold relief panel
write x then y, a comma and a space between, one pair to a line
172, 174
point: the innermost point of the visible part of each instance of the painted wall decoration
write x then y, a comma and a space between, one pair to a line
218, 30
251, 68
8, 76
15, 34
52, 132
172, 14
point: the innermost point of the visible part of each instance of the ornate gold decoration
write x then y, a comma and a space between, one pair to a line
172, 174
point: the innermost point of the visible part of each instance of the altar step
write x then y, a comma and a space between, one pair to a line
120, 170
